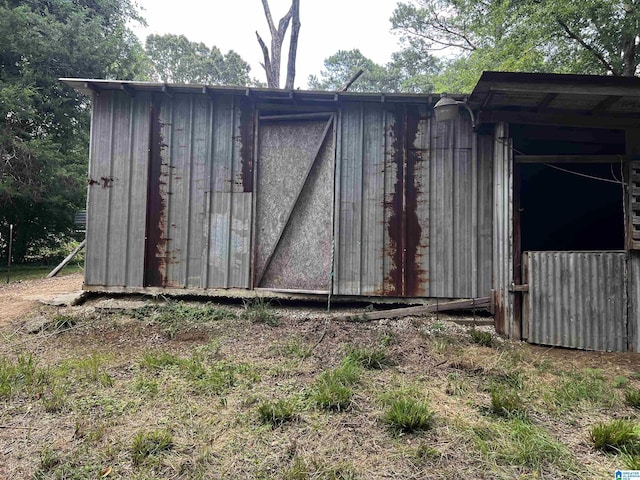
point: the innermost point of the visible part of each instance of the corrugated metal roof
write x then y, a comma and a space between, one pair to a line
92, 86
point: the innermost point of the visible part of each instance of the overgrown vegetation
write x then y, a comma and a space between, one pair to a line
258, 402
259, 310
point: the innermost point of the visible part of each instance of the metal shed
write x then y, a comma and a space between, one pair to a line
197, 189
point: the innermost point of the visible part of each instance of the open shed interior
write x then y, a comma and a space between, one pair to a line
569, 200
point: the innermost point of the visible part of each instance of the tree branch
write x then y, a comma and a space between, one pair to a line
267, 62
267, 13
587, 47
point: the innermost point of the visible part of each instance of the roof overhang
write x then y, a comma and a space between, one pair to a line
557, 99
91, 87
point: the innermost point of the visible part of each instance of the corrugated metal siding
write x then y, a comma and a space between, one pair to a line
208, 207
117, 190
578, 299
503, 231
447, 189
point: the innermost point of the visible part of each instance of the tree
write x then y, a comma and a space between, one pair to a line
406, 72
45, 124
587, 36
175, 59
272, 62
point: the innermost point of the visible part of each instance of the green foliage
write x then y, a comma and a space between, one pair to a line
632, 397
408, 415
507, 403
481, 338
614, 436
158, 360
620, 381
45, 124
408, 71
519, 443
332, 390
591, 37
259, 310
278, 412
23, 376
294, 347
369, 357
175, 59
587, 386
147, 445
304, 470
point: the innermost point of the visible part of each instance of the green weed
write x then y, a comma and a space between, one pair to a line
482, 338
614, 436
369, 357
587, 386
23, 376
158, 360
294, 348
278, 412
408, 415
632, 397
332, 389
620, 381
259, 310
507, 403
306, 470
147, 445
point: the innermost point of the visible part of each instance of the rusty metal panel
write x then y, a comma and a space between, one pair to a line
578, 299
117, 190
503, 231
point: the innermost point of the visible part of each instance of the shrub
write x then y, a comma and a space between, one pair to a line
632, 398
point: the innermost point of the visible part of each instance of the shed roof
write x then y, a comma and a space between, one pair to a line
557, 98
91, 86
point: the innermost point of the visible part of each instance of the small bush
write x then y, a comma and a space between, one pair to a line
507, 403
259, 310
332, 390
369, 357
615, 436
408, 415
481, 338
276, 413
632, 398
150, 444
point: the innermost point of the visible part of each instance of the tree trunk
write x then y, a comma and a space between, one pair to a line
272, 59
293, 46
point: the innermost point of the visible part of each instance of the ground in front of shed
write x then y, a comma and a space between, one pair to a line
189, 390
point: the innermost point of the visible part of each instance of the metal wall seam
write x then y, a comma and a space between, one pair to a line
633, 296
578, 299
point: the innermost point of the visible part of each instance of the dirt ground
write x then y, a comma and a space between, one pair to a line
17, 299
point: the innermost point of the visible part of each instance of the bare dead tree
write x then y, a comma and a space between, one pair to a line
272, 59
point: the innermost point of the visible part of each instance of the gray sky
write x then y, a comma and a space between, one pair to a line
327, 26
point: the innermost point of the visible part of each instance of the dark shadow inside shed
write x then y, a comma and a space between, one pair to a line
574, 205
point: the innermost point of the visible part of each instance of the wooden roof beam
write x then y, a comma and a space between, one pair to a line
572, 89
607, 103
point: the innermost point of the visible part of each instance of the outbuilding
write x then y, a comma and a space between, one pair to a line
530, 196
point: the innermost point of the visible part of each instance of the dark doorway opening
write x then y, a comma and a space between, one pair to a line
570, 206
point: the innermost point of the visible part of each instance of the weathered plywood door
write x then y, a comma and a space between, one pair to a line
294, 203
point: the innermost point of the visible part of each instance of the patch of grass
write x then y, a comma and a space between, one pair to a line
214, 377
158, 360
259, 310
632, 397
408, 415
423, 454
620, 381
145, 385
294, 347
507, 403
278, 412
92, 369
369, 357
615, 436
456, 385
23, 376
147, 445
54, 399
60, 322
516, 442
31, 272
585, 386
332, 389
306, 470
480, 337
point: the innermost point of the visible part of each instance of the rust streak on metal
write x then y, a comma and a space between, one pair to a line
246, 144
156, 240
413, 231
394, 285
